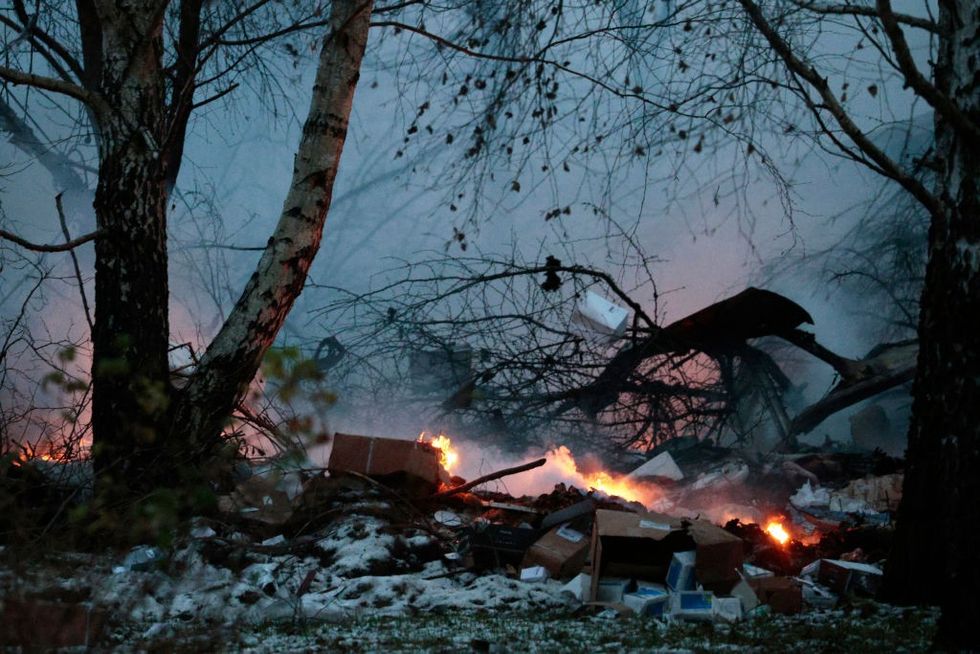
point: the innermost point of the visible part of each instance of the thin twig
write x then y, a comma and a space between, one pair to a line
74, 261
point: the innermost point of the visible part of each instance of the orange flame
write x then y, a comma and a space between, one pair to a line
610, 484
448, 456
777, 532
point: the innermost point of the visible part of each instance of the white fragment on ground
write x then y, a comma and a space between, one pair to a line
352, 576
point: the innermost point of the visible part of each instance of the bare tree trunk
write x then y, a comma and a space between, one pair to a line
937, 537
233, 358
130, 375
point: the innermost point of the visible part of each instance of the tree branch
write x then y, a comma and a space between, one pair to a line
74, 261
37, 247
832, 105
484, 479
89, 98
855, 10
844, 396
937, 100
21, 135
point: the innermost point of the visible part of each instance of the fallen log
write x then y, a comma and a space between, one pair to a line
462, 488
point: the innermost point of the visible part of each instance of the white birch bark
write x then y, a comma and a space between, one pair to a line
233, 358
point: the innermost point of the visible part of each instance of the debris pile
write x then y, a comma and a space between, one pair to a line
386, 529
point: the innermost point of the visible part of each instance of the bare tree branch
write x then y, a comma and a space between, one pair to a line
857, 10
37, 247
833, 105
937, 100
74, 261
89, 98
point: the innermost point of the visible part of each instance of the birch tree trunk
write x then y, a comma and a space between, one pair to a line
233, 358
130, 374
938, 536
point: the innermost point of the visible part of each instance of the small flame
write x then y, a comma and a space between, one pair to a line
777, 532
448, 456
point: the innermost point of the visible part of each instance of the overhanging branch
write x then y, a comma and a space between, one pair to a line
38, 247
833, 106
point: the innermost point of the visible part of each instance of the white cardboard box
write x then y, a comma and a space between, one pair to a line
599, 314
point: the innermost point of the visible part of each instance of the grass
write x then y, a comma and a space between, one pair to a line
865, 627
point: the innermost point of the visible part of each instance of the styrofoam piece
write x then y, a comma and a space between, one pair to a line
611, 589
579, 587
278, 539
534, 574
662, 465
601, 315
680, 574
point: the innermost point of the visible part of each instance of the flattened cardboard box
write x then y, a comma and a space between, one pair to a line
640, 546
561, 551
379, 457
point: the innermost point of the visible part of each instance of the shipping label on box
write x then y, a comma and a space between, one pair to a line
562, 550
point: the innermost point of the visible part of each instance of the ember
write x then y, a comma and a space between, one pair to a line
777, 532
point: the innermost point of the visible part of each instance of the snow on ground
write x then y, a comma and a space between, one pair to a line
356, 565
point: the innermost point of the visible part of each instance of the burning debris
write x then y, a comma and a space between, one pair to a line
698, 535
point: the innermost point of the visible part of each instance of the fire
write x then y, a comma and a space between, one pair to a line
604, 482
448, 456
777, 532
25, 456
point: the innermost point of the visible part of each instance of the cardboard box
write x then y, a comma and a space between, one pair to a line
720, 554
562, 551
579, 587
651, 587
599, 314
728, 608
693, 605
641, 546
850, 576
750, 571
648, 602
816, 596
680, 574
495, 546
611, 589
782, 594
743, 592
534, 573
386, 457
569, 513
